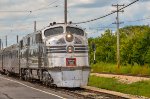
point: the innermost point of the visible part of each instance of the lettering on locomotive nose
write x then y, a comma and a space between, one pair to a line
70, 61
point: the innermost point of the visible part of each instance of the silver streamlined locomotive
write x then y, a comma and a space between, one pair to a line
56, 55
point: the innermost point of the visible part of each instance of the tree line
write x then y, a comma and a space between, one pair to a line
134, 46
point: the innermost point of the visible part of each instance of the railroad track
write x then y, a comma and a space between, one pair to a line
77, 93
83, 93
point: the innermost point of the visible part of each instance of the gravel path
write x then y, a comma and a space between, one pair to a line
122, 78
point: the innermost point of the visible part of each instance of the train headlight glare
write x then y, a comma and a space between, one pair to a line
70, 49
69, 37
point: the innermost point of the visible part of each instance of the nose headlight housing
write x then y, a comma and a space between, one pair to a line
70, 49
69, 37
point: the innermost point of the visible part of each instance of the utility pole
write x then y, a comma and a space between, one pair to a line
94, 49
17, 38
118, 34
6, 40
0, 44
65, 11
34, 26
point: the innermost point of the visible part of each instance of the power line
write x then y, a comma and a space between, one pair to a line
109, 26
29, 11
16, 11
107, 14
46, 7
137, 20
101, 28
27, 16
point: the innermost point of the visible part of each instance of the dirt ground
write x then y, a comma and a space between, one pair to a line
122, 78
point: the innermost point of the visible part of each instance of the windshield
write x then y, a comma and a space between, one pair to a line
74, 30
53, 31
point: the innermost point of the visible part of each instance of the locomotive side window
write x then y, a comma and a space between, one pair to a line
28, 42
74, 30
53, 31
21, 44
32, 41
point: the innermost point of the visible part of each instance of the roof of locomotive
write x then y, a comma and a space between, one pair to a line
63, 25
51, 26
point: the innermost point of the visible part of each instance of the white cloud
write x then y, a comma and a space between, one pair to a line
78, 10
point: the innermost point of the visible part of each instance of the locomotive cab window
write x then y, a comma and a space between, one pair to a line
74, 30
53, 31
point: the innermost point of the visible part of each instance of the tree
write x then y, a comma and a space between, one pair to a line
134, 46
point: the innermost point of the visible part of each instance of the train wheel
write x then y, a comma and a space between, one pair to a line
22, 73
40, 75
47, 79
27, 75
8, 73
44, 80
4, 71
54, 85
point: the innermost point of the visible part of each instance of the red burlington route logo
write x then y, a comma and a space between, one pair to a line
70, 61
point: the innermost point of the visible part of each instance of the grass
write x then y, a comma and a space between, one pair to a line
112, 68
139, 88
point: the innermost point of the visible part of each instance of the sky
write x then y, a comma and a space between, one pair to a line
17, 16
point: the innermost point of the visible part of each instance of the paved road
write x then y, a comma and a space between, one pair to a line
16, 89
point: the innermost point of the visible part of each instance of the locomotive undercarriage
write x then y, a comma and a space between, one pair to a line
60, 76
41, 74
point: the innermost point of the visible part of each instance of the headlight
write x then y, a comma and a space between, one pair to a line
69, 37
70, 49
